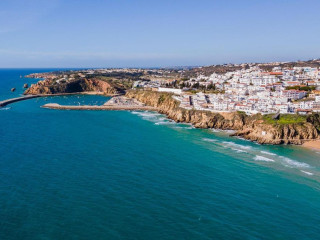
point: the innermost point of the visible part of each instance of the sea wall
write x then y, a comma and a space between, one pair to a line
253, 128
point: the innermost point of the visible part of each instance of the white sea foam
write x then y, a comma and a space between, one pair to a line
223, 131
261, 158
164, 123
292, 163
216, 130
268, 153
209, 140
239, 150
308, 173
5, 108
160, 123
162, 118
236, 145
229, 131
146, 114
182, 127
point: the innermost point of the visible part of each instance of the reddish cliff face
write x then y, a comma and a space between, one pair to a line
81, 85
249, 127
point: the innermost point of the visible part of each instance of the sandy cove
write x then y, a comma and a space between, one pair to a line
312, 144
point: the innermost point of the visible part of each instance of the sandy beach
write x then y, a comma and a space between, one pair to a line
312, 144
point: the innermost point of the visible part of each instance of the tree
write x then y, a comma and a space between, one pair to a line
196, 85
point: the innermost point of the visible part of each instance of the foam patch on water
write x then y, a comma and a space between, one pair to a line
182, 127
146, 114
229, 131
261, 158
222, 131
308, 173
5, 108
292, 163
209, 140
268, 153
164, 123
216, 130
239, 150
236, 145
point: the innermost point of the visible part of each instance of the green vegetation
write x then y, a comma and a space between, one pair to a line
241, 113
117, 83
284, 119
302, 88
161, 99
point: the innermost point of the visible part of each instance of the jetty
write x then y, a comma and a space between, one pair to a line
95, 107
26, 97
115, 103
18, 99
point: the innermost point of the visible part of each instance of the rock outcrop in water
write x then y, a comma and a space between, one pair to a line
82, 85
254, 128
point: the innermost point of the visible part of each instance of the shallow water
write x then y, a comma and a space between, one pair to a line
138, 175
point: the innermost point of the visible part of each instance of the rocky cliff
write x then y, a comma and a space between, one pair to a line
75, 86
254, 128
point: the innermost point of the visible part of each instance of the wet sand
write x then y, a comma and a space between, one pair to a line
312, 144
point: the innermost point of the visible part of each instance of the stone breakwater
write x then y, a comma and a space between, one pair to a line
94, 107
253, 128
18, 99
115, 103
26, 97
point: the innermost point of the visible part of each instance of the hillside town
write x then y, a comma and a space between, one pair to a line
250, 89
278, 87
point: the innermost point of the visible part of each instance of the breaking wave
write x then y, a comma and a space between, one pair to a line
208, 140
292, 163
268, 153
261, 158
236, 145
146, 114
239, 150
164, 123
308, 173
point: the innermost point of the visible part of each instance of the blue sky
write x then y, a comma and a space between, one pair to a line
147, 33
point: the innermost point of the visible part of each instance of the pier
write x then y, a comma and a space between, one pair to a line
115, 103
26, 97
95, 107
18, 99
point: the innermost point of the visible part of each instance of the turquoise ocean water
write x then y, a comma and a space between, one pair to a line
137, 175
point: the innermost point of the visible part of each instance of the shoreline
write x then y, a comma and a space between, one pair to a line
315, 145
250, 128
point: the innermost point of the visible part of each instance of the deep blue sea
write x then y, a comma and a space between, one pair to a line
137, 175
